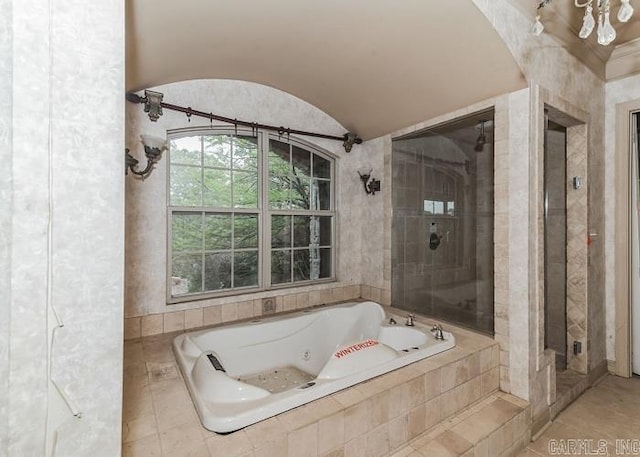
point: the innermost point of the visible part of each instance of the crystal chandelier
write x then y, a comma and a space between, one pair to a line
605, 31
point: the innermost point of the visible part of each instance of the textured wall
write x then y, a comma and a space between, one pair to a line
67, 224
28, 374
146, 207
6, 94
620, 91
519, 339
547, 65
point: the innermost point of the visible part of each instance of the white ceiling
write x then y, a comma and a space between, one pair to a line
375, 66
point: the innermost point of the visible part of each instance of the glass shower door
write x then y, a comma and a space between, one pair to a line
442, 226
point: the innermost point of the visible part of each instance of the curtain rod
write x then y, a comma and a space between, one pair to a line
153, 105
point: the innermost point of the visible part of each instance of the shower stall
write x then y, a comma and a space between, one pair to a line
442, 226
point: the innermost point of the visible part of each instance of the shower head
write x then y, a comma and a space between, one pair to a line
482, 138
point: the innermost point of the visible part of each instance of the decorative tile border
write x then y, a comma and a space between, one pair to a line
155, 324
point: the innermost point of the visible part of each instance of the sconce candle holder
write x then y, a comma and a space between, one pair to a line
153, 147
371, 185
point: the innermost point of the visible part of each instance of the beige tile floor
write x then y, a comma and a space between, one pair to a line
602, 419
158, 416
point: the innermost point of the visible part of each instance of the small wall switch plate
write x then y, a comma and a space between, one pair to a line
577, 347
577, 182
268, 305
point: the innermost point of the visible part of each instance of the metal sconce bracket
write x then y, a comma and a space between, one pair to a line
152, 102
153, 148
371, 185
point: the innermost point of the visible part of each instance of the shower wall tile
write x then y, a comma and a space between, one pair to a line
577, 213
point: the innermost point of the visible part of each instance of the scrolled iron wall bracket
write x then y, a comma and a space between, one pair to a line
152, 102
153, 148
349, 140
371, 185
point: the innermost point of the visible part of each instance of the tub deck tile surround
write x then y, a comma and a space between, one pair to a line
497, 425
237, 310
379, 418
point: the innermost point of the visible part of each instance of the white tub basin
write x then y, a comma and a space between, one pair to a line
241, 374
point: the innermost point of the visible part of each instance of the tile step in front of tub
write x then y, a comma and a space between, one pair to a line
496, 426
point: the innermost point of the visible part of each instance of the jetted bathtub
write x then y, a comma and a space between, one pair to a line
244, 373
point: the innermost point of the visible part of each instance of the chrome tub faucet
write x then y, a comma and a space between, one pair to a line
437, 331
410, 318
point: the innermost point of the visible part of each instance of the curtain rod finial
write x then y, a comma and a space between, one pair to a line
132, 97
350, 139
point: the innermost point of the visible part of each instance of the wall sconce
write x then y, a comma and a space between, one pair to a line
371, 185
153, 147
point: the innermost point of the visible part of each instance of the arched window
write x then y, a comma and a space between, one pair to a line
247, 212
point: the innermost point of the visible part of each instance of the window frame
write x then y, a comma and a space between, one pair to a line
263, 212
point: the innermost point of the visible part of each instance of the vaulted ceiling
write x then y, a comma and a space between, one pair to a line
375, 66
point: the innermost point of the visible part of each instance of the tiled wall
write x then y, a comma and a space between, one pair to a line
172, 321
578, 245
380, 416
572, 85
506, 279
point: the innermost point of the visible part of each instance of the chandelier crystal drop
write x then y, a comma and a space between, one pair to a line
605, 32
588, 23
626, 11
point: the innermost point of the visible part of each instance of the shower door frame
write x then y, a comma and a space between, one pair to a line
576, 122
547, 240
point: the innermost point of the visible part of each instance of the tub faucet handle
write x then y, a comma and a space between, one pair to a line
410, 318
437, 331
392, 321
